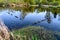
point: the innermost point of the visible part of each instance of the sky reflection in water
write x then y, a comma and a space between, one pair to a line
17, 19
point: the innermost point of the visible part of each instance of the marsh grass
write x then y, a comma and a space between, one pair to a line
4, 34
28, 33
34, 33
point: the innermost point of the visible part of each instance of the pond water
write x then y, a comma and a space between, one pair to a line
15, 19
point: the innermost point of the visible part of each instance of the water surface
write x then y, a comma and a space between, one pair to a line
14, 19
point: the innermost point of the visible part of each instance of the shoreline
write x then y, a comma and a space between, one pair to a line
28, 5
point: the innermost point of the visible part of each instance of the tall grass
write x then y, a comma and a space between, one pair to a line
4, 34
28, 33
34, 33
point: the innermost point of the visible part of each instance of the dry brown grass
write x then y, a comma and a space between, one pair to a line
30, 33
4, 34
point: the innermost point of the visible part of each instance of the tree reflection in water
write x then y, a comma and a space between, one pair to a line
48, 18
59, 17
25, 11
55, 14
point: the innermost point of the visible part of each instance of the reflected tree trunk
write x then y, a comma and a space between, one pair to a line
48, 18
55, 14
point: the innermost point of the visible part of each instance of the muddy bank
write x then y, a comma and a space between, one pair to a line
16, 5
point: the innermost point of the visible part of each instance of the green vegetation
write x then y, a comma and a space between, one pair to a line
28, 33
33, 33
30, 2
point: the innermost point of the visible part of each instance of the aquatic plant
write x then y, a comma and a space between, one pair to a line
27, 33
34, 33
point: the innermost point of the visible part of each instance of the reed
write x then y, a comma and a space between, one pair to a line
28, 33
4, 33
